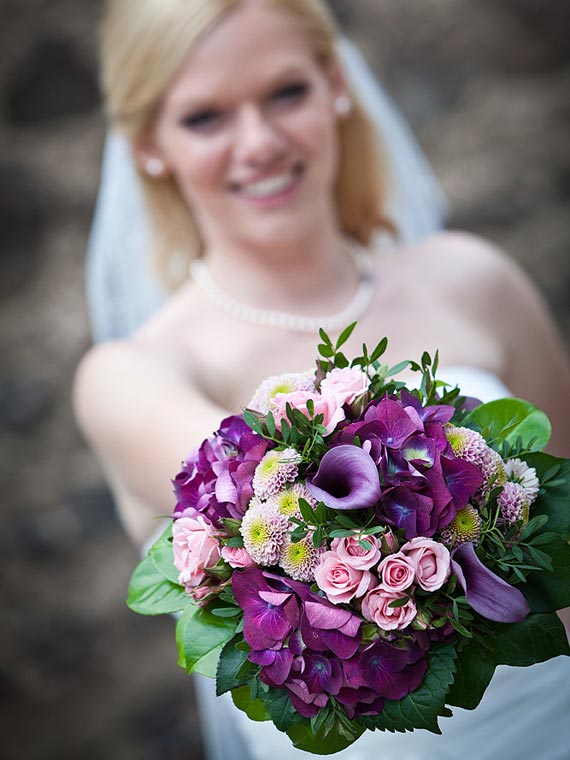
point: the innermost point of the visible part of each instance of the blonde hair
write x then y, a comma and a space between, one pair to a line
145, 43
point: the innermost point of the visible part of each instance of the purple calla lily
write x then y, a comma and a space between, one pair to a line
347, 478
489, 595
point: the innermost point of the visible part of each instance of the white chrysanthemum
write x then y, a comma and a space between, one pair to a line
263, 530
287, 501
276, 469
520, 472
300, 560
514, 503
287, 383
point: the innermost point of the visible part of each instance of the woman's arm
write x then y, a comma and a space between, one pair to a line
141, 418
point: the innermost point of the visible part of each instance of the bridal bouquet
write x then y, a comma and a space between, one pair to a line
351, 554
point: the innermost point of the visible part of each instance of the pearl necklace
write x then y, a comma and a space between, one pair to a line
284, 320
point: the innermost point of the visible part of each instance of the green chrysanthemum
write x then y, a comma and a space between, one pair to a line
287, 383
466, 444
287, 501
263, 530
465, 527
299, 560
276, 469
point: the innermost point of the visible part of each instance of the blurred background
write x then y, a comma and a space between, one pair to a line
486, 87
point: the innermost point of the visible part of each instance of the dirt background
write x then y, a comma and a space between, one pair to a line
486, 86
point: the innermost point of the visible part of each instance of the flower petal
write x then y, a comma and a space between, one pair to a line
489, 595
347, 478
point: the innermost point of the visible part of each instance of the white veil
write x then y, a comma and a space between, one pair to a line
122, 291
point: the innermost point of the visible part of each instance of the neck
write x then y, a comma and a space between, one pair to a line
312, 275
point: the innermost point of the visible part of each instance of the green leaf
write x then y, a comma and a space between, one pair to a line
234, 669
507, 419
345, 335
328, 740
326, 351
280, 708
324, 337
421, 708
549, 591
270, 422
341, 361
162, 555
553, 499
535, 639
379, 350
473, 675
397, 368
151, 594
253, 708
200, 636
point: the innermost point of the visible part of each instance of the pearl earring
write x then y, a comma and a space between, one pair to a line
342, 105
154, 167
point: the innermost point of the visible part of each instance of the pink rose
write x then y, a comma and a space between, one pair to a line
339, 580
376, 608
200, 594
237, 557
397, 572
346, 384
431, 562
329, 406
195, 548
351, 552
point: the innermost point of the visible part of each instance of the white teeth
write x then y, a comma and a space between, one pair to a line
267, 187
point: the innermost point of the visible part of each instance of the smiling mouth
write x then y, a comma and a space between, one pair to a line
271, 187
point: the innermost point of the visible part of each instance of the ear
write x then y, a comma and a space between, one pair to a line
337, 78
149, 159
342, 99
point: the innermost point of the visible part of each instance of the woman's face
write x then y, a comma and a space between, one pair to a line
249, 132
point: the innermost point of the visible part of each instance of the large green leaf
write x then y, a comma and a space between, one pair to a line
200, 637
253, 708
422, 707
535, 639
162, 555
508, 419
473, 675
554, 497
234, 669
151, 594
280, 708
326, 741
550, 590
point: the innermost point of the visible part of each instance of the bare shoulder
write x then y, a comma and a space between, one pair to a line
455, 252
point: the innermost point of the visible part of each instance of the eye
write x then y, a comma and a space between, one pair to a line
291, 92
202, 121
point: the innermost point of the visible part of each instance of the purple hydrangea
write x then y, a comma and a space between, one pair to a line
423, 483
217, 478
313, 649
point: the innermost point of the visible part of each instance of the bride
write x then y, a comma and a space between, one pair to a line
259, 165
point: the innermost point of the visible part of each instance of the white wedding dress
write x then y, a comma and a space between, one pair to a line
523, 715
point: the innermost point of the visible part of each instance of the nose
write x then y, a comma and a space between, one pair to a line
258, 141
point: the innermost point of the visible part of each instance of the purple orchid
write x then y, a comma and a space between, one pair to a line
347, 478
489, 595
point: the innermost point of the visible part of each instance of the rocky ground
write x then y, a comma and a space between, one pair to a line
486, 86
